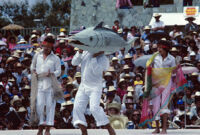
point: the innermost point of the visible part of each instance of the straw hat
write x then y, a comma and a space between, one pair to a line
61, 41
78, 74
70, 84
33, 36
62, 108
117, 123
26, 87
127, 76
67, 103
15, 98
115, 59
21, 109
126, 67
16, 55
19, 51
192, 53
22, 41
197, 94
194, 74
147, 28
190, 18
62, 34
186, 59
37, 50
19, 65
11, 80
9, 60
111, 88
174, 49
121, 80
114, 105
157, 15
108, 74
50, 35
111, 69
127, 56
130, 94
130, 89
34, 32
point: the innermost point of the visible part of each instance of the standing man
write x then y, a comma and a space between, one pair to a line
46, 66
90, 90
162, 60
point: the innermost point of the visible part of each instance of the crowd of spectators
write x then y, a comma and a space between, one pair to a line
123, 83
127, 4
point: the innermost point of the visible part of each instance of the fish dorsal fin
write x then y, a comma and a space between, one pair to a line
100, 25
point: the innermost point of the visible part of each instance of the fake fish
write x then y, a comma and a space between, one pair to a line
99, 38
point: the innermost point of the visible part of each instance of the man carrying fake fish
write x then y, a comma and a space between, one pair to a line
96, 42
162, 79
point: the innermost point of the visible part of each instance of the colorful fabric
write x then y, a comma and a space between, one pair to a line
158, 81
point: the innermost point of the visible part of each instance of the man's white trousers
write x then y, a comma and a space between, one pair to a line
91, 96
45, 98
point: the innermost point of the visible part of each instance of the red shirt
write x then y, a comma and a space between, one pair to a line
121, 93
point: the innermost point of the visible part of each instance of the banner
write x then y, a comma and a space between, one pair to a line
191, 11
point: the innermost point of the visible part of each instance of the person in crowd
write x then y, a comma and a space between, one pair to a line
174, 52
147, 31
124, 4
191, 26
187, 2
90, 90
47, 31
158, 25
45, 63
116, 26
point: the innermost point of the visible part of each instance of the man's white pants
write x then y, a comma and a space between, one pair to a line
93, 96
45, 98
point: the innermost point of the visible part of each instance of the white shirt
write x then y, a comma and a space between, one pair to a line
158, 24
52, 63
91, 69
169, 61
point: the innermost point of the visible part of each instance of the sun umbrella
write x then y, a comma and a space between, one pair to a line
22, 46
2, 43
141, 61
189, 70
12, 27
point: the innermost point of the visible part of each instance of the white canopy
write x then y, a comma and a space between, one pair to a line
171, 19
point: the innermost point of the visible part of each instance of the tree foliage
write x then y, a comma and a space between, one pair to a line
54, 14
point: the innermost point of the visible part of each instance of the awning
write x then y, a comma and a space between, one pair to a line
171, 19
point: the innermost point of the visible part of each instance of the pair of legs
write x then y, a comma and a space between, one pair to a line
45, 99
93, 96
40, 130
107, 126
157, 103
164, 125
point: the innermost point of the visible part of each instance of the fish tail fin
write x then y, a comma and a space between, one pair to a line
130, 43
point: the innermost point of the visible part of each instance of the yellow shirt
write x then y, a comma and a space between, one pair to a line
138, 82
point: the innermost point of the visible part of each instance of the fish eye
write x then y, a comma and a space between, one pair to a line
91, 38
